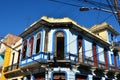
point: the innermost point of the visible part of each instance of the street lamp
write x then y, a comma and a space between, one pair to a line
93, 8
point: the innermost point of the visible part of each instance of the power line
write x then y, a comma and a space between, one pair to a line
8, 46
111, 9
96, 3
106, 18
65, 3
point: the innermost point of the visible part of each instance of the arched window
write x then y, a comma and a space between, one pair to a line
31, 45
24, 50
38, 42
59, 45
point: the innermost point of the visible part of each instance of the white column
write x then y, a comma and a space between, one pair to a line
105, 73
103, 78
92, 70
90, 77
32, 77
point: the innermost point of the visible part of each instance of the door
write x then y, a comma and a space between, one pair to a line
59, 46
39, 76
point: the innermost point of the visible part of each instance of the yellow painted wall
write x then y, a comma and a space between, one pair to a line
103, 34
6, 61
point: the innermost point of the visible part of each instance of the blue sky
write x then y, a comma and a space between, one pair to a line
16, 15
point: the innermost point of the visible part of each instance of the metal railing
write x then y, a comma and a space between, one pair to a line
89, 61
102, 65
112, 67
11, 67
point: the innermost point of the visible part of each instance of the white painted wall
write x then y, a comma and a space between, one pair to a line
72, 43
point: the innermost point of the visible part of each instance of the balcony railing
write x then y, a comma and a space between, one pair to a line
112, 67
117, 46
102, 65
89, 61
11, 67
117, 43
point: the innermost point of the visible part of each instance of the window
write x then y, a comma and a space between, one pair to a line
14, 79
112, 59
28, 77
31, 45
80, 54
38, 42
46, 42
59, 46
118, 61
39, 76
13, 56
59, 76
80, 77
19, 51
24, 50
106, 58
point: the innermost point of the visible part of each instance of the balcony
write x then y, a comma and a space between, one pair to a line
102, 65
117, 46
11, 67
39, 58
112, 68
89, 62
69, 59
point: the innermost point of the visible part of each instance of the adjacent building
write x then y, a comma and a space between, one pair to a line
7, 43
60, 49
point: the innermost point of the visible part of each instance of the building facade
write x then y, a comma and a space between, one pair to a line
60, 49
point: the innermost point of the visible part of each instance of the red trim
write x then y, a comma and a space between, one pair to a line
106, 59
115, 61
31, 45
95, 55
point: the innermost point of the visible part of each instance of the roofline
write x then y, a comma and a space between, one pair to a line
48, 22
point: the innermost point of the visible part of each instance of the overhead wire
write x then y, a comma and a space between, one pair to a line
117, 10
65, 3
111, 9
95, 3
98, 15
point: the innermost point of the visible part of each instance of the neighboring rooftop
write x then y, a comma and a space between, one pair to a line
103, 26
8, 40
